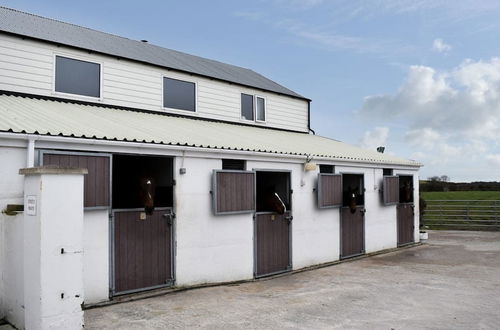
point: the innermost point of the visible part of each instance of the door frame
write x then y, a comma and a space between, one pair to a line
173, 235
169, 283
364, 217
412, 204
290, 225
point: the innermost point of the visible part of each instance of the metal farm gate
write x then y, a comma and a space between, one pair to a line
143, 251
352, 232
272, 243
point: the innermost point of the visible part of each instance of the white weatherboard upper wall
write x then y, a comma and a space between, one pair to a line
27, 66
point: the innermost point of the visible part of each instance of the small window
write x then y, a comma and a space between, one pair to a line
179, 94
233, 164
330, 169
387, 171
260, 108
247, 106
77, 77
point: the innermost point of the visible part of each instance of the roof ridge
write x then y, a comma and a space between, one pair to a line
134, 40
63, 22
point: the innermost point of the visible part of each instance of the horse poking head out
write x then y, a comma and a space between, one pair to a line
352, 199
147, 194
273, 202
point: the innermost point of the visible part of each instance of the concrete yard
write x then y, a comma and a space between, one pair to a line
452, 282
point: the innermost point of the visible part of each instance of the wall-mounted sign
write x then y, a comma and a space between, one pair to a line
30, 205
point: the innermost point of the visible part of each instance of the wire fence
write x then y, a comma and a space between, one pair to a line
462, 214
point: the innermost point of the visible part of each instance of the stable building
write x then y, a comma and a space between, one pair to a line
128, 167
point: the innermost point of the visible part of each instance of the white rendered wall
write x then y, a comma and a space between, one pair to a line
27, 66
11, 236
315, 232
209, 248
96, 256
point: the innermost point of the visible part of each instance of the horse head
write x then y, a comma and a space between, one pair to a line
273, 201
147, 194
352, 196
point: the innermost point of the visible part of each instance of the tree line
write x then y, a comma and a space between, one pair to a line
442, 183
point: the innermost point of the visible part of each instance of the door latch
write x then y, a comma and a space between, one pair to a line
169, 216
289, 218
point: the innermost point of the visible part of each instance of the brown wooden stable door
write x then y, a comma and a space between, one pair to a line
142, 250
406, 227
352, 231
272, 243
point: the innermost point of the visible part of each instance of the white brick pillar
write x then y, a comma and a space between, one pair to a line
53, 247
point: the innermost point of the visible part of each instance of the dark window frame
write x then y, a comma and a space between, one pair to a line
195, 95
78, 59
255, 98
253, 107
326, 169
229, 164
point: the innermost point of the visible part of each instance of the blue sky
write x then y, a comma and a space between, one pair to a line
417, 76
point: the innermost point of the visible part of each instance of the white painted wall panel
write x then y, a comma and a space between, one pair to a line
209, 248
96, 256
27, 66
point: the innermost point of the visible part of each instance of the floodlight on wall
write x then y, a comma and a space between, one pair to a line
308, 166
381, 149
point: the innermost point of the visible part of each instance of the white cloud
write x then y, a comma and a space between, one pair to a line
440, 46
450, 120
462, 102
375, 138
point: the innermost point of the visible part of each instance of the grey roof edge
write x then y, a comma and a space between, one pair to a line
274, 87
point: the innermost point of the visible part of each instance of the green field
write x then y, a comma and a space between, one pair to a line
461, 195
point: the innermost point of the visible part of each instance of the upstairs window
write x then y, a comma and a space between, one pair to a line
260, 108
253, 107
77, 77
179, 94
247, 106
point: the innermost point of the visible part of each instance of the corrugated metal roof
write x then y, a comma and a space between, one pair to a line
49, 117
38, 27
